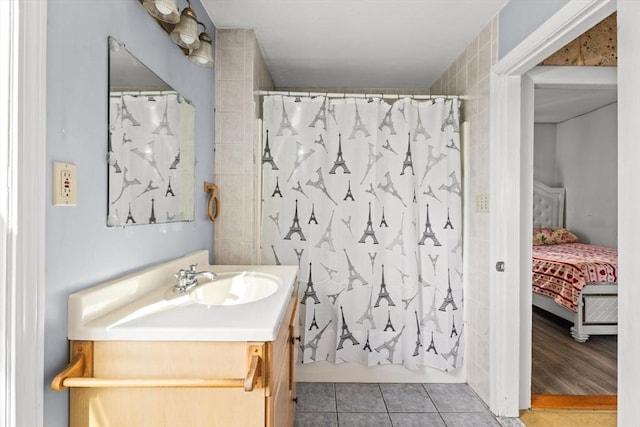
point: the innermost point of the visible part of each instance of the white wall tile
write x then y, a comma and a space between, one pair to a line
469, 75
230, 222
228, 251
230, 95
229, 127
231, 158
472, 69
229, 37
485, 36
484, 60
237, 153
461, 80
231, 188
230, 64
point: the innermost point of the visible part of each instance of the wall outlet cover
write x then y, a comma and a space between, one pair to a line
64, 184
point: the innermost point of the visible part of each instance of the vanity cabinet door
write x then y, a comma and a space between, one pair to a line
294, 344
280, 404
281, 400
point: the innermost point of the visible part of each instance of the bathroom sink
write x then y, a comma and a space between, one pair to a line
244, 303
235, 289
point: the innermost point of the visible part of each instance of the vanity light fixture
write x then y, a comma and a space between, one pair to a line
183, 29
163, 10
203, 55
185, 34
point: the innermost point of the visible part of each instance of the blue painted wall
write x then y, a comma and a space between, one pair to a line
80, 249
519, 18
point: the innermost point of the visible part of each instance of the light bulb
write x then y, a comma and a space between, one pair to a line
163, 9
187, 39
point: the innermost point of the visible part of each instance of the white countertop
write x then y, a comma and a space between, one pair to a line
133, 308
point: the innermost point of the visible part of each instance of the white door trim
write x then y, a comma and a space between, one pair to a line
628, 212
22, 210
510, 210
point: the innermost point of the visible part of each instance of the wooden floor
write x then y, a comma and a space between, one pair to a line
581, 402
556, 418
560, 365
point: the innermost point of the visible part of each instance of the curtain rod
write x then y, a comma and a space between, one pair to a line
358, 95
143, 92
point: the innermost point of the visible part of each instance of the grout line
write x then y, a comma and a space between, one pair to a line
424, 386
437, 411
383, 400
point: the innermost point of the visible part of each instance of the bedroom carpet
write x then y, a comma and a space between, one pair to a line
560, 365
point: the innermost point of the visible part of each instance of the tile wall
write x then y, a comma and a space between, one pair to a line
469, 75
240, 72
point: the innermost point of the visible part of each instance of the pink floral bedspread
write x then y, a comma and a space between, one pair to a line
561, 271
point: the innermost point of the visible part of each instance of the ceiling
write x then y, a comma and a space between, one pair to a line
357, 43
559, 104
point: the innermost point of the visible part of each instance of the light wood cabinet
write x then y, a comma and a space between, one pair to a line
281, 405
183, 383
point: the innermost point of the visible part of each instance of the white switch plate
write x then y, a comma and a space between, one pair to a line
64, 184
482, 203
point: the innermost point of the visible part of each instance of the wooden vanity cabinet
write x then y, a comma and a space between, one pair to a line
281, 396
183, 383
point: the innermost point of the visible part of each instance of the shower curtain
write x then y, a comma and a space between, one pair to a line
365, 197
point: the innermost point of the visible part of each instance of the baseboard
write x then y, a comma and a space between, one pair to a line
553, 401
354, 372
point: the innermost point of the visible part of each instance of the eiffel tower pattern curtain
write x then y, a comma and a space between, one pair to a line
144, 159
365, 197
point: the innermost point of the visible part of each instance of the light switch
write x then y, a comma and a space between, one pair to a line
64, 184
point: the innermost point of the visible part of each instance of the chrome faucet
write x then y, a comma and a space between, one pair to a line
188, 279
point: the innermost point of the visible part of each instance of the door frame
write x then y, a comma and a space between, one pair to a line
511, 187
23, 47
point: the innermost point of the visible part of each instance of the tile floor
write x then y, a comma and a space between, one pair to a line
380, 405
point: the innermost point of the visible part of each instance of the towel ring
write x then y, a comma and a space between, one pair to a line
213, 206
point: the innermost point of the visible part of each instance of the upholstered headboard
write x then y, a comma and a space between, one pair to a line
548, 206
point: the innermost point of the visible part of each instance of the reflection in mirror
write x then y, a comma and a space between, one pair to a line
150, 147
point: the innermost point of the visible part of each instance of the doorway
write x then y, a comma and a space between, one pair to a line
511, 208
575, 151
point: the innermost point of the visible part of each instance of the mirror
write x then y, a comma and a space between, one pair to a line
150, 147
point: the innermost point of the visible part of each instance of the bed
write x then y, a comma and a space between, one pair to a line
572, 280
